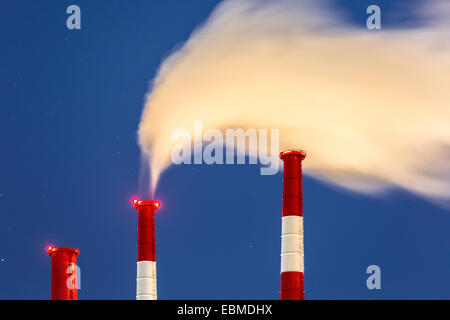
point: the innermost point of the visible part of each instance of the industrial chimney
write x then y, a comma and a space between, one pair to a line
64, 273
146, 255
292, 267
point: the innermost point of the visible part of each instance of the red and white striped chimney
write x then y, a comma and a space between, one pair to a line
64, 273
146, 253
292, 266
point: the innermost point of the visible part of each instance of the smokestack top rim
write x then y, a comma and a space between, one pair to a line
293, 152
63, 249
147, 203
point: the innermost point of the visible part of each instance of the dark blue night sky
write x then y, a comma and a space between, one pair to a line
70, 104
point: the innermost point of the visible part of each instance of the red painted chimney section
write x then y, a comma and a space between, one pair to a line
292, 266
63, 274
146, 253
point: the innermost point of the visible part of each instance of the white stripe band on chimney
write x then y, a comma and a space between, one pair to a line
292, 244
146, 280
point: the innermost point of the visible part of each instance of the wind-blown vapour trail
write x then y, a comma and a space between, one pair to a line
371, 108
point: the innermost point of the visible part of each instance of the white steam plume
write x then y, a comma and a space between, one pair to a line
371, 108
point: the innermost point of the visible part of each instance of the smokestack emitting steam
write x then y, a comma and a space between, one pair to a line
378, 99
146, 251
63, 274
292, 265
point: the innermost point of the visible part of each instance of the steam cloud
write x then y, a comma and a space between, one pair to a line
371, 108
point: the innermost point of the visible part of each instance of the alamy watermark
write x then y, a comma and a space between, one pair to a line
374, 280
208, 146
74, 20
74, 279
373, 22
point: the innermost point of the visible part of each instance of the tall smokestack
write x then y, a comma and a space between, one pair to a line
292, 267
63, 274
146, 253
